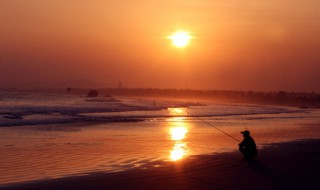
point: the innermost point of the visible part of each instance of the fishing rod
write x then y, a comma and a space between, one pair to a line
204, 121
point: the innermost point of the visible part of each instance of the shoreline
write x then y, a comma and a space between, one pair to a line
289, 165
16, 121
303, 100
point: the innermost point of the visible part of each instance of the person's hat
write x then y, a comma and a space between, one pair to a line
245, 132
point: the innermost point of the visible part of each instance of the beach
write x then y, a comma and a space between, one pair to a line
103, 95
72, 142
291, 165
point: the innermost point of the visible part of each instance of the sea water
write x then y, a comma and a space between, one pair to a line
50, 135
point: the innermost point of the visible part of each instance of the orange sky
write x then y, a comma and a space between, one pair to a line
241, 45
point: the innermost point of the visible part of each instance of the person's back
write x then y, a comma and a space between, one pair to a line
248, 147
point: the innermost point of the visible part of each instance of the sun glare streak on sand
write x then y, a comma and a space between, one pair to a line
178, 131
179, 150
177, 135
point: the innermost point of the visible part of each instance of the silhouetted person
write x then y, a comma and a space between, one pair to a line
248, 147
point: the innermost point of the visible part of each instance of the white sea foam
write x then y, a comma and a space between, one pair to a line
18, 109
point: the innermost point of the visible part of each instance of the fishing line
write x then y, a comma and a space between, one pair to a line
204, 121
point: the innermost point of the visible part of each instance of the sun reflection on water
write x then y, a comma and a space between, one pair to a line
179, 150
178, 133
178, 129
177, 111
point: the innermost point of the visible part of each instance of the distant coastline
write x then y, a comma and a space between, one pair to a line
302, 100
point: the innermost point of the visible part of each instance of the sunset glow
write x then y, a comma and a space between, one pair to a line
180, 39
143, 94
206, 45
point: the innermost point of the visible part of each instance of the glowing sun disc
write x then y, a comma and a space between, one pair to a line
180, 39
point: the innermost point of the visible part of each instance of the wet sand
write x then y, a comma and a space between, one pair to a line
293, 165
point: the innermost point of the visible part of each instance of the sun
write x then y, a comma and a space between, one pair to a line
180, 39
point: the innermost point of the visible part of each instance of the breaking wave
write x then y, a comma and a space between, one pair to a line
40, 109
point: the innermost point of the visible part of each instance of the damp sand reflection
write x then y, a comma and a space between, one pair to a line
31, 153
178, 130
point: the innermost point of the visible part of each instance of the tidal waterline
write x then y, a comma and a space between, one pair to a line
51, 151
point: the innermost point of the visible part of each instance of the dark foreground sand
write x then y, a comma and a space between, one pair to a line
294, 165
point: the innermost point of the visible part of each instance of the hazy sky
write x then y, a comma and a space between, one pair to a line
241, 45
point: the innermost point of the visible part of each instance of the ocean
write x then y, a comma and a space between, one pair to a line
53, 135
